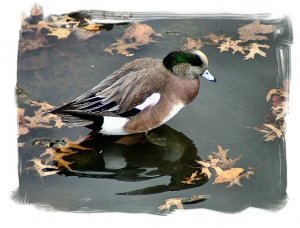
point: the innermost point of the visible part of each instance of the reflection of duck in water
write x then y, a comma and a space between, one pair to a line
141, 95
110, 158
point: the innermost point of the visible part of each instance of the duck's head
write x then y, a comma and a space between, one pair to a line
188, 63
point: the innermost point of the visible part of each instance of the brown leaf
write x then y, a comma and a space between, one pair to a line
60, 33
228, 175
274, 129
191, 43
40, 167
57, 156
191, 180
228, 44
215, 38
195, 199
254, 49
93, 27
254, 30
121, 47
177, 202
237, 180
140, 33
225, 162
83, 34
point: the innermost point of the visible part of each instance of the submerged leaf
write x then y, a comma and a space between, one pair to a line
177, 202
254, 31
191, 43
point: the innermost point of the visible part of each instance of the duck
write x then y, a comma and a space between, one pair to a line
140, 96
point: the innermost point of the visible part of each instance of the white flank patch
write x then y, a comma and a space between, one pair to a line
176, 108
152, 100
114, 125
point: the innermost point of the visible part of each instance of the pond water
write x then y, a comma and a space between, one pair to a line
140, 177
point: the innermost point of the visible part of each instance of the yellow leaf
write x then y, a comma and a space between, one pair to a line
177, 202
39, 167
60, 33
93, 27
228, 175
191, 180
274, 129
254, 49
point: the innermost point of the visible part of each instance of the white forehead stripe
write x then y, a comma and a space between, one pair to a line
202, 55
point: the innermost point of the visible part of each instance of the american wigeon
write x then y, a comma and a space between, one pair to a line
141, 95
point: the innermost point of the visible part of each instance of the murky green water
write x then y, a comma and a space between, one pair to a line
140, 177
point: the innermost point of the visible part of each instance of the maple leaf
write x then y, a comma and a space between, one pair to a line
191, 43
254, 30
177, 202
121, 47
254, 49
140, 33
225, 162
215, 38
40, 168
191, 180
60, 33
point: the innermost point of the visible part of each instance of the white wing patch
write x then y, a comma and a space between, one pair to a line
176, 108
114, 125
152, 100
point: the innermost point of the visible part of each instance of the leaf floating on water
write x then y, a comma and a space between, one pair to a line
42, 169
225, 162
60, 33
140, 33
223, 168
227, 175
191, 43
177, 202
254, 49
274, 126
216, 39
121, 47
254, 31
191, 180
135, 35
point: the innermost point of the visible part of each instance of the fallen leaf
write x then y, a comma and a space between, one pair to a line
40, 168
229, 43
254, 49
195, 199
93, 27
215, 38
57, 156
228, 175
206, 171
191, 180
140, 33
191, 43
121, 47
83, 34
254, 31
274, 129
225, 162
237, 180
60, 33
177, 202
